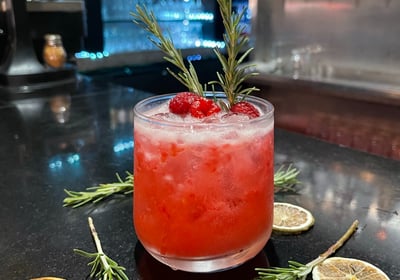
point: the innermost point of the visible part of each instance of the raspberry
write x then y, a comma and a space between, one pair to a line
189, 102
245, 108
213, 109
180, 103
203, 107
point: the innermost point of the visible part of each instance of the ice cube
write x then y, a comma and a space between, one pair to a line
234, 118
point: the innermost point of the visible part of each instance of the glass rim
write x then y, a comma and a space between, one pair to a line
267, 115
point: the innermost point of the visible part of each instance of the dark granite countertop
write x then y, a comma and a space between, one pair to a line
73, 138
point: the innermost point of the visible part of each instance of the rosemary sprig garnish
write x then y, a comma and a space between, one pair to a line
100, 192
188, 76
282, 179
103, 268
235, 41
298, 271
286, 179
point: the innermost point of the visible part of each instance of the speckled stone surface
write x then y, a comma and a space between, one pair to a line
45, 149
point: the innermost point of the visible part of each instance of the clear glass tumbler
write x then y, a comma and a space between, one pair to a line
203, 195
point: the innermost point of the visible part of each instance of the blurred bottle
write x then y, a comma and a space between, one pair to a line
54, 54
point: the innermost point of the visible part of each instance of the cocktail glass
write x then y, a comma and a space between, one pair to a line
203, 194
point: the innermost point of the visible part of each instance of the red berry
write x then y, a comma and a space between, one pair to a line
189, 102
196, 110
245, 108
213, 109
203, 107
180, 103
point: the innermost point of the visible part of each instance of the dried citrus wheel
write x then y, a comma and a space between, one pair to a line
289, 218
338, 268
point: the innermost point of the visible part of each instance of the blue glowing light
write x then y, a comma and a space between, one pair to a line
194, 57
72, 159
201, 16
173, 15
92, 55
56, 164
123, 146
213, 44
59, 162
82, 54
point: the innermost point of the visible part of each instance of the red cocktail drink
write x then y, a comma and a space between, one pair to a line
203, 196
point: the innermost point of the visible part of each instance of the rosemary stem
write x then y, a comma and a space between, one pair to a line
98, 246
339, 243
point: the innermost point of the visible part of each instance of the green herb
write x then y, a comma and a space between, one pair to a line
103, 268
188, 76
235, 41
100, 192
234, 74
282, 179
286, 179
298, 271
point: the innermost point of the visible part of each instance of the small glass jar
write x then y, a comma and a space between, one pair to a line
54, 54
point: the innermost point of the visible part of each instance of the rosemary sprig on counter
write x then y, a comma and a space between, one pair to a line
188, 76
103, 268
100, 192
235, 41
298, 271
286, 179
283, 178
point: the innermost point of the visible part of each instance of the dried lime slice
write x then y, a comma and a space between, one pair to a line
289, 218
337, 268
